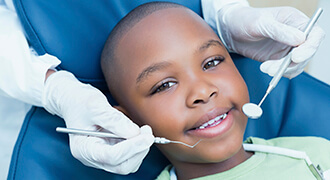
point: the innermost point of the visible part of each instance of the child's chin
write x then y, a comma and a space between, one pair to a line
212, 159
217, 155
209, 157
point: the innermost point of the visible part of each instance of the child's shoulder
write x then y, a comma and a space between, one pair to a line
165, 174
297, 143
316, 148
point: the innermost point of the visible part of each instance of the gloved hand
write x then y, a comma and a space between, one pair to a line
85, 107
267, 34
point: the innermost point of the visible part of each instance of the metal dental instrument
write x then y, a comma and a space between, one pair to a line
287, 60
161, 140
252, 110
158, 140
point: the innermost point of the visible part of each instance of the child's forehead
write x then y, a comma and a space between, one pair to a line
169, 18
168, 34
167, 24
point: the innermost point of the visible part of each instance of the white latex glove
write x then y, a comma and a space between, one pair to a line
22, 72
85, 107
10, 5
266, 34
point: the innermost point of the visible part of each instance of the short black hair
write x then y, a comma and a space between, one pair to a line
108, 57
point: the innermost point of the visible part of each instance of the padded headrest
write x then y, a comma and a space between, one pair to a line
75, 31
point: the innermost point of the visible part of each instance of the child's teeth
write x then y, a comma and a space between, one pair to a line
212, 121
205, 124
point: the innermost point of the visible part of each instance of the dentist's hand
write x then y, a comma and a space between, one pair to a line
85, 107
267, 34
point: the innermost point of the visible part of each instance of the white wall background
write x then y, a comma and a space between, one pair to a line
319, 66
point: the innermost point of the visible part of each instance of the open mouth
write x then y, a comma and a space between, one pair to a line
213, 122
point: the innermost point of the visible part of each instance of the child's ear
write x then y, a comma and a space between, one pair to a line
121, 109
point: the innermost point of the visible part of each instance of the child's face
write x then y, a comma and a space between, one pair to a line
176, 76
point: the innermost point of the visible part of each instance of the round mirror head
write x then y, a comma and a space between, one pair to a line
252, 110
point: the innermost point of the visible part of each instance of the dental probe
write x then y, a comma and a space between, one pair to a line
252, 110
158, 140
278, 75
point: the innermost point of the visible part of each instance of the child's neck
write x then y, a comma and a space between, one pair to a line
193, 170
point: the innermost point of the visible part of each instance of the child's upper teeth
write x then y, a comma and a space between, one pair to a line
210, 122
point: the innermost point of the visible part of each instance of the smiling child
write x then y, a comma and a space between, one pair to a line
168, 69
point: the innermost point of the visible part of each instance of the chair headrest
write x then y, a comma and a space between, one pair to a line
75, 32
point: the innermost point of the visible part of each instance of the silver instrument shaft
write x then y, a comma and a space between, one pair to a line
278, 75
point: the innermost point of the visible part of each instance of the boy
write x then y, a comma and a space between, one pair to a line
176, 76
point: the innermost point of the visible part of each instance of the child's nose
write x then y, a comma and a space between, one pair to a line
201, 92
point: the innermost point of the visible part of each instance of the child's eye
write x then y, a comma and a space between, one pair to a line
212, 62
162, 87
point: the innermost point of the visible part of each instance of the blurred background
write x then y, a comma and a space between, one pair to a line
319, 66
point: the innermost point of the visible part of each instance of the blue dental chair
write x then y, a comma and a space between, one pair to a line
75, 31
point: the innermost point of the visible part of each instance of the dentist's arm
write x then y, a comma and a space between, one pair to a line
30, 78
264, 34
22, 72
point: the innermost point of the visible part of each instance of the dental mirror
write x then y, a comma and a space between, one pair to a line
252, 110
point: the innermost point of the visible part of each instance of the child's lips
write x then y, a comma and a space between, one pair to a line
214, 115
213, 122
213, 125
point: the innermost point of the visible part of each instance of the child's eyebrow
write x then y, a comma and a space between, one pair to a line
155, 67
150, 69
209, 43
